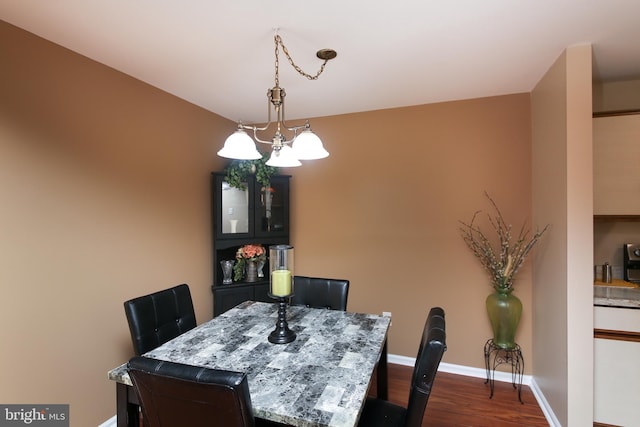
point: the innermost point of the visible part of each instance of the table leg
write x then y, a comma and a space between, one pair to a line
383, 388
127, 408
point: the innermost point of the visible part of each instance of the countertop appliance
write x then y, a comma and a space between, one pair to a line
631, 252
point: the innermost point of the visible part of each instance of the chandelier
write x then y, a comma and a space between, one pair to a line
303, 144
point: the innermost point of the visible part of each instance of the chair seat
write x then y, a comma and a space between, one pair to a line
382, 413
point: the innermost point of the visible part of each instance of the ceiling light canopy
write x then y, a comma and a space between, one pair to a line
303, 144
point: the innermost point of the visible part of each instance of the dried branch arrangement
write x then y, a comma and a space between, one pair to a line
504, 261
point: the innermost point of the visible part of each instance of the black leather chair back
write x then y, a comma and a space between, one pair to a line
159, 317
173, 394
382, 413
320, 293
432, 347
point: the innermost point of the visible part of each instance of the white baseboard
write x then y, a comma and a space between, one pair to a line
111, 422
459, 370
544, 405
482, 373
401, 360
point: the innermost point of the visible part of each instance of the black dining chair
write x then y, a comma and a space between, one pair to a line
159, 317
317, 292
382, 413
173, 394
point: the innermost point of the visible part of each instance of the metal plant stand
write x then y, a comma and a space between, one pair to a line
495, 356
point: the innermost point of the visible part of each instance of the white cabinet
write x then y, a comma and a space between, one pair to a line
617, 368
616, 165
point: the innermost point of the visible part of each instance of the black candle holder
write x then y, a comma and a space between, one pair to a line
282, 334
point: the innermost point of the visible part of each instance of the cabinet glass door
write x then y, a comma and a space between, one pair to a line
272, 208
234, 212
235, 209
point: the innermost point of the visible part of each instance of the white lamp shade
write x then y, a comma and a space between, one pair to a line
239, 145
307, 146
283, 158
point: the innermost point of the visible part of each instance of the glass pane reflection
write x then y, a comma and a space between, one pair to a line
235, 209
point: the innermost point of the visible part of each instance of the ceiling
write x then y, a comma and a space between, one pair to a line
219, 54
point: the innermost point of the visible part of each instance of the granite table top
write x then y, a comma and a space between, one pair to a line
320, 379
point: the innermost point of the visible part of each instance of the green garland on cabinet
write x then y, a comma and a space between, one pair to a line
238, 172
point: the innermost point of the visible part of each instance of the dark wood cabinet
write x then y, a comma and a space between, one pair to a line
228, 296
254, 215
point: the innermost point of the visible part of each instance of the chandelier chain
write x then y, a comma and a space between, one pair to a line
278, 41
285, 152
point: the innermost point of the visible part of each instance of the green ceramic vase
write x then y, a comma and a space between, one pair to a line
504, 312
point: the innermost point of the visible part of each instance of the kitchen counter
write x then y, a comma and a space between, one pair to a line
618, 293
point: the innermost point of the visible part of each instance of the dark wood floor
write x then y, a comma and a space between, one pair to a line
458, 400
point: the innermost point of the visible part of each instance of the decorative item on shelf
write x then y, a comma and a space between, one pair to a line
302, 144
247, 258
281, 289
502, 262
251, 270
266, 200
261, 262
227, 271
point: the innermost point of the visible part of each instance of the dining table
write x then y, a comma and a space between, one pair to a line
322, 378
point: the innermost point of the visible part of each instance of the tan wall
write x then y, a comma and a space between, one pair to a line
104, 183
563, 274
383, 212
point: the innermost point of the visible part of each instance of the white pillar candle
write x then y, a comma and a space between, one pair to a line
281, 283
